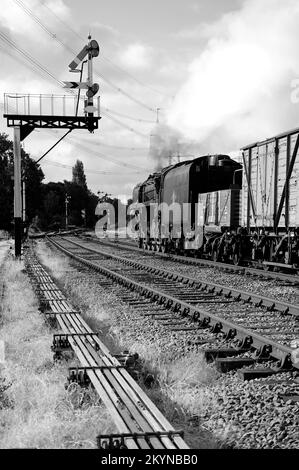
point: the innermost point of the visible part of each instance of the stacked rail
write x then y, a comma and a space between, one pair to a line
139, 422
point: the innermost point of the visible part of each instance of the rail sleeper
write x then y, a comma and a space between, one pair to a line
139, 422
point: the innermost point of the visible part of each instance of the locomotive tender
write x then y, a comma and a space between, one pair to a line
213, 207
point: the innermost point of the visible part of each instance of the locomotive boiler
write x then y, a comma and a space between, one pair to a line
188, 206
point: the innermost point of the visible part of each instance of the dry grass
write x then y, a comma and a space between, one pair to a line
57, 264
38, 412
181, 388
5, 245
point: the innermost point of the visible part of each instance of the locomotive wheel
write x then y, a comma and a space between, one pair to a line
215, 256
163, 249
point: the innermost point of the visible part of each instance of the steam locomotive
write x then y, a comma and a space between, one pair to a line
213, 207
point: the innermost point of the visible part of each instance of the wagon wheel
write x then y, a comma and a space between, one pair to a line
163, 249
215, 255
236, 259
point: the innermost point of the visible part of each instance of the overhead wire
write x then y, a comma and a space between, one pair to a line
86, 170
40, 68
140, 82
30, 13
29, 57
86, 147
110, 158
37, 65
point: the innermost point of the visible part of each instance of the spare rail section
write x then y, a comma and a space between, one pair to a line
139, 422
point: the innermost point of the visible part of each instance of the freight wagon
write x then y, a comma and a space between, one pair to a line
270, 201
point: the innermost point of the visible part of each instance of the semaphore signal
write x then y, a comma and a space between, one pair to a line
79, 85
24, 118
92, 48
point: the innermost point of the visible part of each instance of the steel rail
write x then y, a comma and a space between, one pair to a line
244, 336
284, 307
248, 271
135, 416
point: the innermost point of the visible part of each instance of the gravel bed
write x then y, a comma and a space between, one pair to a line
269, 322
238, 414
269, 287
258, 417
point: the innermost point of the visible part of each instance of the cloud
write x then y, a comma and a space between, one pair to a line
238, 88
104, 29
58, 7
137, 56
16, 21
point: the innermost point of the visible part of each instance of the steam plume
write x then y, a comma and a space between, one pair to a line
238, 89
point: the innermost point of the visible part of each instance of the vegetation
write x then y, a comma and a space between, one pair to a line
32, 175
45, 203
36, 410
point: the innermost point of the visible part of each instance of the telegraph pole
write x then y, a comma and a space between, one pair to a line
158, 109
23, 201
17, 191
67, 199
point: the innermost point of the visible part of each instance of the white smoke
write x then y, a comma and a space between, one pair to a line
239, 88
167, 146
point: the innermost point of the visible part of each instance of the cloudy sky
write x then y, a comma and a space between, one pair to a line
220, 71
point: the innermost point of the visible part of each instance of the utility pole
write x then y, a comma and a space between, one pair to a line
67, 199
158, 109
23, 200
17, 191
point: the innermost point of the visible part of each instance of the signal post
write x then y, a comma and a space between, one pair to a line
24, 119
17, 191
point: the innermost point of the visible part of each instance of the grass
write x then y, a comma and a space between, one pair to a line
181, 387
4, 248
36, 409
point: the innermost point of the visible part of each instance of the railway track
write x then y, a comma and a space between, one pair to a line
245, 270
248, 323
140, 424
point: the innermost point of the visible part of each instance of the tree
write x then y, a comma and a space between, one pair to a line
33, 176
79, 177
6, 183
31, 173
